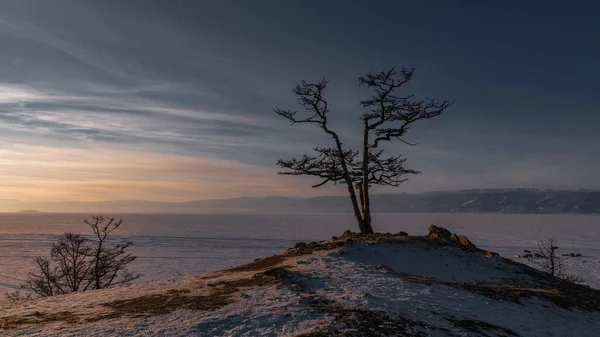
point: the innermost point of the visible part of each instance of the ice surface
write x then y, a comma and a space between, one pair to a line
174, 245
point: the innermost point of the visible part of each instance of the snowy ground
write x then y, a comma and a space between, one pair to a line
397, 287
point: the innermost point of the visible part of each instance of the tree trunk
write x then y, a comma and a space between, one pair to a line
357, 213
365, 199
359, 190
552, 259
348, 180
97, 263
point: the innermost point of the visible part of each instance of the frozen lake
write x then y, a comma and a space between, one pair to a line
171, 245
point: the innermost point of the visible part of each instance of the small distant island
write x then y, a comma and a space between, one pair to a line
30, 211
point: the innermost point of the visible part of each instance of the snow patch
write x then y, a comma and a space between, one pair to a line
364, 288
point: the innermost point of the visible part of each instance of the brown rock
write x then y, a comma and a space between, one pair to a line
466, 242
441, 231
491, 254
348, 234
401, 234
299, 245
278, 273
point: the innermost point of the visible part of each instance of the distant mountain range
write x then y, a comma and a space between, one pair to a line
481, 201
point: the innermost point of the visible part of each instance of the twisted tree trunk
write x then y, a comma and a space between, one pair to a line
364, 190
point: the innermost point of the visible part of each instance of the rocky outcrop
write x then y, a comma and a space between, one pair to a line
441, 233
372, 236
349, 234
572, 255
465, 242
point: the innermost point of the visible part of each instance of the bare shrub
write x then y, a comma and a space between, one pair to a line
79, 263
552, 263
16, 296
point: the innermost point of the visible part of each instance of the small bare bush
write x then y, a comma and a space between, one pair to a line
552, 263
17, 296
80, 263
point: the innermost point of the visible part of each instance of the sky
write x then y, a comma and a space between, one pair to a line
173, 100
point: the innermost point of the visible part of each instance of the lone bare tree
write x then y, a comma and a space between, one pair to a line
79, 263
552, 263
388, 117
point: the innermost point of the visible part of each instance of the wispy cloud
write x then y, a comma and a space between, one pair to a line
169, 104
116, 124
37, 173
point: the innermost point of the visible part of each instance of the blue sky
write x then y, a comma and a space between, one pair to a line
172, 100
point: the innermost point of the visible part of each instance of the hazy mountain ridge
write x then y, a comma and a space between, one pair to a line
481, 201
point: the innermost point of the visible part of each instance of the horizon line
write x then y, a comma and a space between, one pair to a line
313, 197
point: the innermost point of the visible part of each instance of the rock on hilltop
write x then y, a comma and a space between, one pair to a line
353, 285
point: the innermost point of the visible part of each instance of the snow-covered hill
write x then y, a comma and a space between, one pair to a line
377, 285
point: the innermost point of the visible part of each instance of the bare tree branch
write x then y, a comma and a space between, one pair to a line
331, 164
326, 165
385, 106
